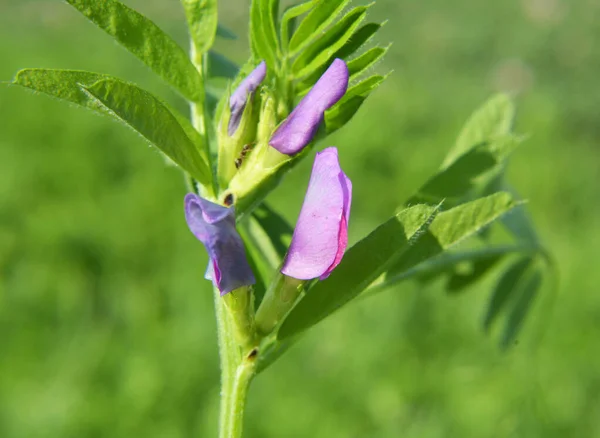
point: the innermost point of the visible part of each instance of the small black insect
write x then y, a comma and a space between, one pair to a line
228, 201
245, 150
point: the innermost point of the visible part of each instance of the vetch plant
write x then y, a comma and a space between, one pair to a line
307, 76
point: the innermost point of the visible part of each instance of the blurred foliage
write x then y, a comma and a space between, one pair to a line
106, 323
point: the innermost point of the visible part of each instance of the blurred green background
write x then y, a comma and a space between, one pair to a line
106, 325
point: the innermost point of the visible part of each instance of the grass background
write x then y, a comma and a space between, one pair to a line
106, 326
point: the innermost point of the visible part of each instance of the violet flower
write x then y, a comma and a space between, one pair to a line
214, 226
237, 101
321, 233
301, 125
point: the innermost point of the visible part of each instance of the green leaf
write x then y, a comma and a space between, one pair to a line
288, 18
364, 87
151, 118
519, 223
505, 289
459, 280
62, 84
145, 40
263, 34
361, 265
221, 67
201, 17
522, 305
445, 262
341, 113
449, 228
225, 33
315, 22
162, 126
493, 119
358, 38
464, 174
320, 51
361, 64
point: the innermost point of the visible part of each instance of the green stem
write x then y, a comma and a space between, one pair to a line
237, 371
233, 401
198, 114
279, 299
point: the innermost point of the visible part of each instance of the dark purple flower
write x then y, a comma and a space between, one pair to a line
237, 101
321, 233
299, 128
214, 226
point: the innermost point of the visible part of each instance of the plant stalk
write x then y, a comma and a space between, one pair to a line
237, 371
198, 115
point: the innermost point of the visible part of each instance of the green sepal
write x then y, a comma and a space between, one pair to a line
262, 173
144, 39
223, 103
268, 117
231, 147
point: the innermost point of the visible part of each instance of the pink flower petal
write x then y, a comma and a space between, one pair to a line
321, 233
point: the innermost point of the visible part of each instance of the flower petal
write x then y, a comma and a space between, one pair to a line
237, 101
321, 233
214, 226
295, 132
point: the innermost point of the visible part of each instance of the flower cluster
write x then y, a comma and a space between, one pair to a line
321, 234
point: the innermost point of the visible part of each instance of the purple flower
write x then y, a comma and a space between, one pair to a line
237, 101
299, 128
321, 234
214, 226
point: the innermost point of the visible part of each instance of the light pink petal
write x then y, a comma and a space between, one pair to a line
321, 236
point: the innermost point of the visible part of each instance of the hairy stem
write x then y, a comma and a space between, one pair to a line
237, 370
